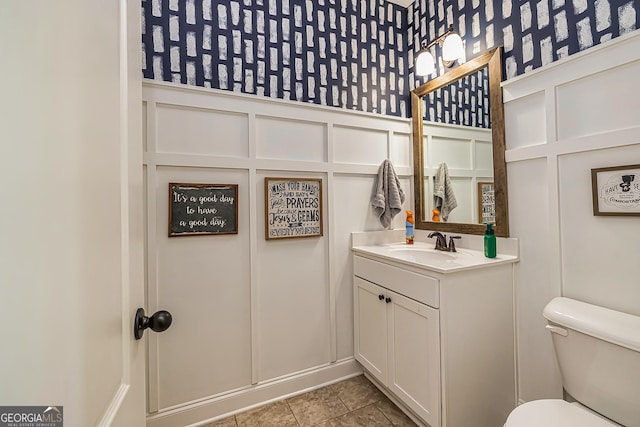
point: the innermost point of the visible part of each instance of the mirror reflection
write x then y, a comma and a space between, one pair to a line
460, 154
459, 169
463, 102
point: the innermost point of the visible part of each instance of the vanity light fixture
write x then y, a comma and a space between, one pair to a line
452, 50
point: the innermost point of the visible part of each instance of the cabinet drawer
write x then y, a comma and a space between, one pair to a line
416, 286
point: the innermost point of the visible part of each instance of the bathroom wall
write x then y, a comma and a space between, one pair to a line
534, 33
359, 54
255, 319
342, 53
562, 121
546, 167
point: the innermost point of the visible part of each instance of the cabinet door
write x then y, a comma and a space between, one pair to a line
371, 327
414, 356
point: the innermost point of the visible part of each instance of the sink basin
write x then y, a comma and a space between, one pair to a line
425, 256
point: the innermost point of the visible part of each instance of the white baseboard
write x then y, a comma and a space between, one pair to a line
205, 411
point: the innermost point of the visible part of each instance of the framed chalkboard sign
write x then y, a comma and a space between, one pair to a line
202, 209
293, 207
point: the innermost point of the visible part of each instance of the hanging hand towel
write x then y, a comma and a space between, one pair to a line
443, 198
387, 196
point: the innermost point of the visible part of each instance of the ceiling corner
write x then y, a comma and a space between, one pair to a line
403, 3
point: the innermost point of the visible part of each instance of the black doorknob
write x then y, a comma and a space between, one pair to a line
159, 322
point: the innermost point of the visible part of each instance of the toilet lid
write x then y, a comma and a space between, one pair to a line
554, 413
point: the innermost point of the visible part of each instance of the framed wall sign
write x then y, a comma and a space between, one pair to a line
202, 209
293, 207
616, 190
486, 203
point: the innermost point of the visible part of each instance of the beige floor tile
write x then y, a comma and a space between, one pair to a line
357, 392
227, 422
351, 403
275, 414
317, 406
393, 413
363, 417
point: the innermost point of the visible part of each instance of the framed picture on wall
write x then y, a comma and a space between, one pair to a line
293, 207
486, 203
616, 190
202, 209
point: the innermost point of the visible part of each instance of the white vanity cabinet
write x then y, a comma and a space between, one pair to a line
442, 344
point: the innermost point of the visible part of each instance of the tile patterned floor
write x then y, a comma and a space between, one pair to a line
350, 403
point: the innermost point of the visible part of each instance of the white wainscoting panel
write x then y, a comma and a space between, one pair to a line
349, 192
293, 291
525, 121
599, 253
284, 139
536, 284
360, 146
207, 290
401, 149
583, 111
200, 131
144, 126
255, 320
607, 102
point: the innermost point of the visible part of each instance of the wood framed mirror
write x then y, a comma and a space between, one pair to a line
490, 63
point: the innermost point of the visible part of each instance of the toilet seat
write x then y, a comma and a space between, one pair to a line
554, 413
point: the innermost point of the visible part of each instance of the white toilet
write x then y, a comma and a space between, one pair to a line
598, 351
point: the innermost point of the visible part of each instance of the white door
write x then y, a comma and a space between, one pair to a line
71, 271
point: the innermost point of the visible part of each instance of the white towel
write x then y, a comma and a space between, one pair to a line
387, 196
443, 197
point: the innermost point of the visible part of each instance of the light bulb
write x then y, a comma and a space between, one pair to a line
452, 48
425, 64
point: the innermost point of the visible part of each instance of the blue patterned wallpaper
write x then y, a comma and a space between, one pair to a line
358, 54
533, 33
343, 53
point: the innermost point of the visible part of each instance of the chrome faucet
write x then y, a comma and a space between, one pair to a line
441, 241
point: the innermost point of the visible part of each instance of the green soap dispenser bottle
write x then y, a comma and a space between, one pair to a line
489, 241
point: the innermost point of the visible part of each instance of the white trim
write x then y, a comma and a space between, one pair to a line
593, 60
199, 413
303, 109
614, 139
114, 406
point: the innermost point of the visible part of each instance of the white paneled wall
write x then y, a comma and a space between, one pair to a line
283, 139
255, 320
562, 121
180, 130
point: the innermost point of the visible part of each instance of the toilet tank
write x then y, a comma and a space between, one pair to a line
598, 351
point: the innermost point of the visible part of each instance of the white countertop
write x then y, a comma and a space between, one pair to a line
390, 246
